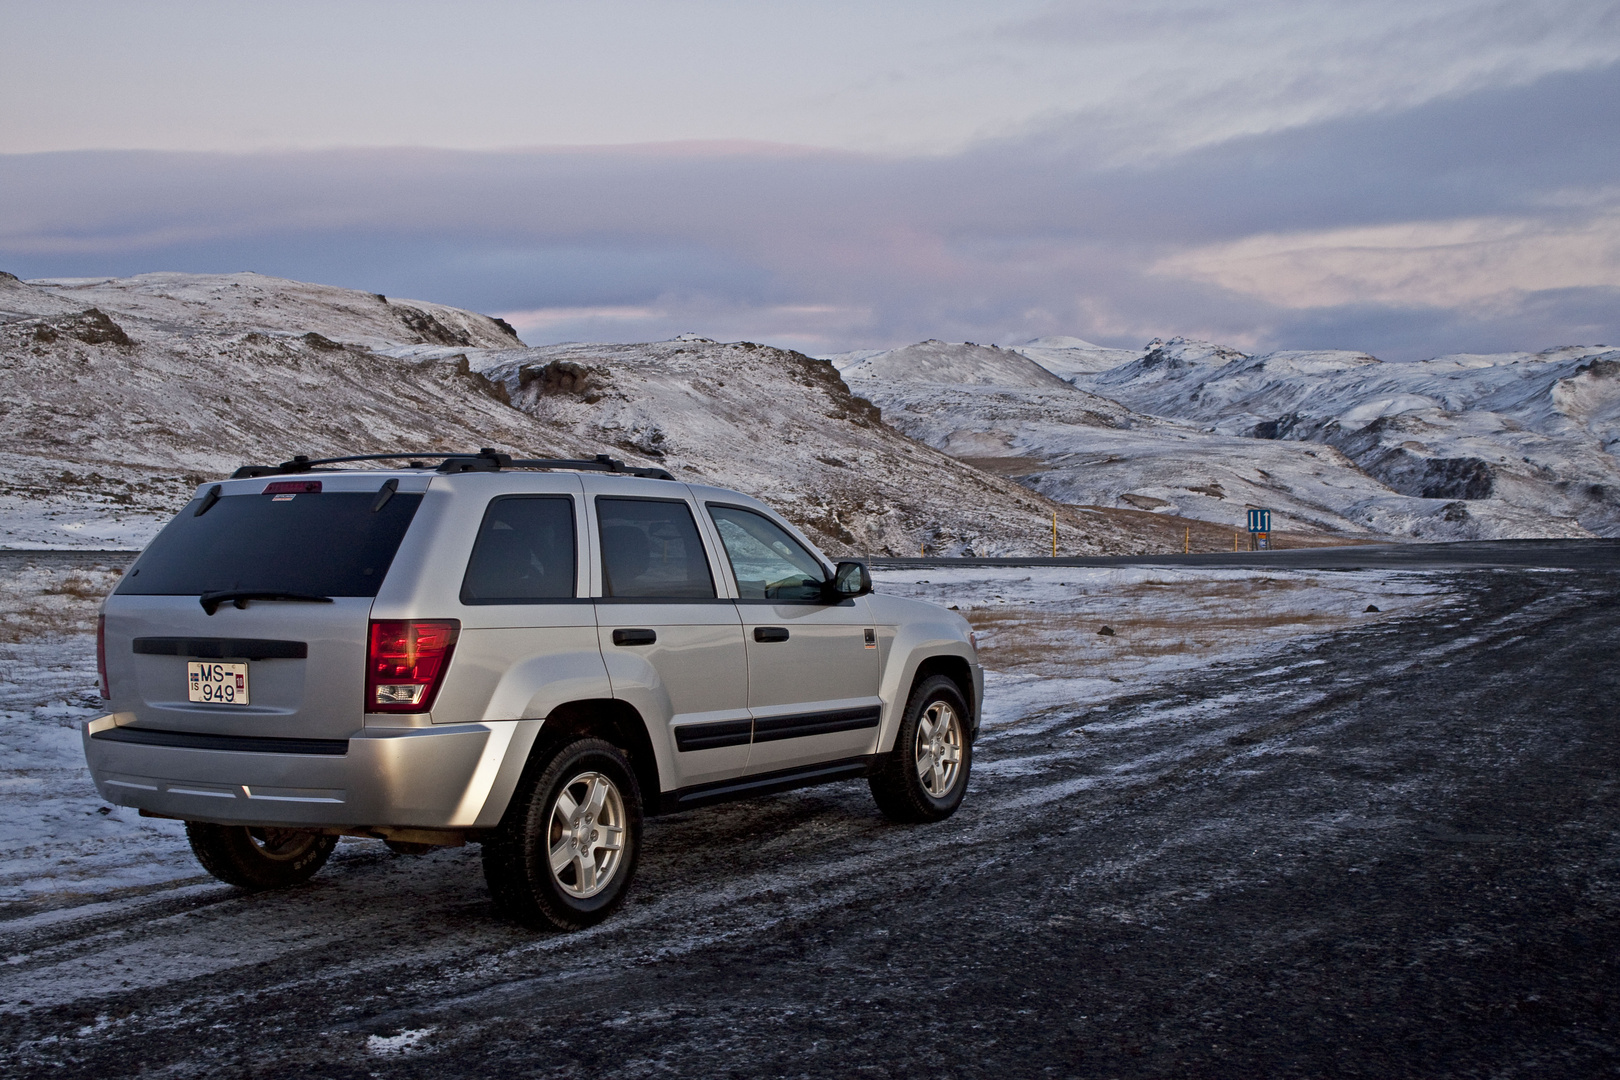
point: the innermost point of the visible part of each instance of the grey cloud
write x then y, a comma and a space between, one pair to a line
1011, 238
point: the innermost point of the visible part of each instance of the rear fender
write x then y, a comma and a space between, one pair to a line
491, 679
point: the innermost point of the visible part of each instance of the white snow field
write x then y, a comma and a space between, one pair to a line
61, 846
58, 841
1458, 447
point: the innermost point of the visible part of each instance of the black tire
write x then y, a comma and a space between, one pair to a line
518, 860
899, 787
258, 859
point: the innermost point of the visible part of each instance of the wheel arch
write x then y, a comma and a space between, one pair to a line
957, 670
612, 720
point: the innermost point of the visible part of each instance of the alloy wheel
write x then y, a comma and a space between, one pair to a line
939, 748
586, 837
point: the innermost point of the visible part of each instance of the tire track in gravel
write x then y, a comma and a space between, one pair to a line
383, 942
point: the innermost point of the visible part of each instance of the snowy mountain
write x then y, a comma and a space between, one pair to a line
1517, 444
944, 364
120, 395
1457, 447
1070, 356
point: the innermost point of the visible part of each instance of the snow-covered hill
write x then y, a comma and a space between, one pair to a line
945, 364
119, 396
1070, 356
1457, 447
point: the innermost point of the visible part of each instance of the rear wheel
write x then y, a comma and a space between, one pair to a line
564, 855
258, 859
925, 776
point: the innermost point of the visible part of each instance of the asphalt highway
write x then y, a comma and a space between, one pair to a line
1394, 852
1600, 554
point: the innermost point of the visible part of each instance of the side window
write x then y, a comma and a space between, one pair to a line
651, 550
768, 563
524, 552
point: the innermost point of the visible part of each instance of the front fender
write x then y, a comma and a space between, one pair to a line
917, 632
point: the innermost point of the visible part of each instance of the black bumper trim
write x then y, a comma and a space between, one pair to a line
246, 744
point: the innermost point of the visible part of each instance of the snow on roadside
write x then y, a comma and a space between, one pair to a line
1042, 636
57, 837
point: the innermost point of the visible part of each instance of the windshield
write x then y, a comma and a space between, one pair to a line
318, 544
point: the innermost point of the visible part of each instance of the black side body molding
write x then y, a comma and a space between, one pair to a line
821, 723
714, 734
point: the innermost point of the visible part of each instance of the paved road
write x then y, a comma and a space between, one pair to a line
1560, 554
1395, 854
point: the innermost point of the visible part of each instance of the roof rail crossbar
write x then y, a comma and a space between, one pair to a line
486, 460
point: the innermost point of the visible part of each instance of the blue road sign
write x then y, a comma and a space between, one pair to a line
1259, 521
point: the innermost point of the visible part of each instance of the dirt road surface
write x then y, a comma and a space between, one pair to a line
1394, 853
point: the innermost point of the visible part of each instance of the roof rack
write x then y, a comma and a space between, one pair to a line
486, 460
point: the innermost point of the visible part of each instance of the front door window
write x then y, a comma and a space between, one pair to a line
767, 562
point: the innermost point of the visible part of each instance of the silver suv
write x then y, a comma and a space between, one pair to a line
529, 655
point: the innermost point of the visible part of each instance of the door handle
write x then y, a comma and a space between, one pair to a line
770, 633
634, 637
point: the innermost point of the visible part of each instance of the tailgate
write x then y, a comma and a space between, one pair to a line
305, 664
268, 583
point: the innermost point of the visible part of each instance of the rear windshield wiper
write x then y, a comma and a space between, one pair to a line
211, 600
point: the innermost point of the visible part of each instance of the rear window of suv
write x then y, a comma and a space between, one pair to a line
322, 544
524, 552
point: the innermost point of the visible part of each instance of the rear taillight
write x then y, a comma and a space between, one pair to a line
405, 663
101, 657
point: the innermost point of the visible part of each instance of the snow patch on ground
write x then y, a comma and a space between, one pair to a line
403, 1043
1041, 637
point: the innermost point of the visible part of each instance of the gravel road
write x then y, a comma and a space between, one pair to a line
1394, 853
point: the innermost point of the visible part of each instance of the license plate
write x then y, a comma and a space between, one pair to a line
217, 684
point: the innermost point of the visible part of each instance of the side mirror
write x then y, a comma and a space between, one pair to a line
850, 580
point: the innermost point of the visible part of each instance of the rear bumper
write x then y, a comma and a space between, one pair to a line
438, 777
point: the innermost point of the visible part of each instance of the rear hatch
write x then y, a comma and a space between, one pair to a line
248, 614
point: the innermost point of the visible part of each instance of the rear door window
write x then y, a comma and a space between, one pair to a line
651, 550
320, 544
767, 562
524, 553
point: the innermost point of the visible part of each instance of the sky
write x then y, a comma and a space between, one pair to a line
1408, 178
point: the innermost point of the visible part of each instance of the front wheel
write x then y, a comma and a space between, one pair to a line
564, 854
257, 858
925, 776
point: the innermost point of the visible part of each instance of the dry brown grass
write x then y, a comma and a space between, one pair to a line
38, 601
79, 585
1154, 620
1059, 642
